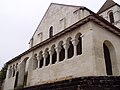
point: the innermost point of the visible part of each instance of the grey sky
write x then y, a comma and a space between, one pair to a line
20, 18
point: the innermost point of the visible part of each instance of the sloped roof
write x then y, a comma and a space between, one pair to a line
108, 4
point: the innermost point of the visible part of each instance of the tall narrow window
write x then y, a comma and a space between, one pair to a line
54, 57
70, 50
13, 70
111, 17
51, 32
79, 46
107, 60
47, 59
62, 53
41, 62
16, 79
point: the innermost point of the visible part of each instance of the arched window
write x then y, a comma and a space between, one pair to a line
16, 79
111, 17
107, 60
70, 50
54, 57
79, 46
51, 32
13, 70
47, 59
41, 62
62, 54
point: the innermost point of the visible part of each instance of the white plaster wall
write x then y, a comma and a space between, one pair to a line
81, 65
100, 35
60, 17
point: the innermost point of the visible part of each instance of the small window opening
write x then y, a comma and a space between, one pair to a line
51, 32
111, 17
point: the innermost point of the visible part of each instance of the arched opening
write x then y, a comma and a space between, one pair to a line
110, 58
79, 46
51, 32
16, 80
111, 17
107, 60
70, 50
47, 59
62, 54
13, 70
54, 57
41, 62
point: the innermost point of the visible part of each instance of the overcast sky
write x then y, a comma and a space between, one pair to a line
20, 18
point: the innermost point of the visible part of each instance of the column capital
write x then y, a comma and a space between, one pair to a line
39, 57
75, 42
45, 55
51, 52
66, 45
58, 49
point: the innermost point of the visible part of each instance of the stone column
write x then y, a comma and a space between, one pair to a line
39, 58
44, 56
66, 46
75, 42
51, 52
58, 49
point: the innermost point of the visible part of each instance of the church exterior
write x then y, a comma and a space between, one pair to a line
71, 42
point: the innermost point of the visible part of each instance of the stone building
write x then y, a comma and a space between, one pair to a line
71, 43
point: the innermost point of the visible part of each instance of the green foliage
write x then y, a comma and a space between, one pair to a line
3, 72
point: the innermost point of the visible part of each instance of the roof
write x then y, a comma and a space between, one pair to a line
93, 17
108, 4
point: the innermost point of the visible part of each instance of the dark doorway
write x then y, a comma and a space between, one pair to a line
107, 60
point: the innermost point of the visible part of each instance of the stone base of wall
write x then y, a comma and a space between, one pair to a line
82, 83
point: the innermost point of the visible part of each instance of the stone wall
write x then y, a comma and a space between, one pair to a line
82, 83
